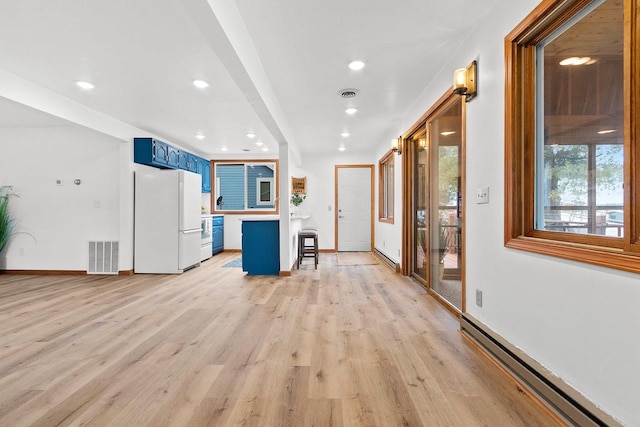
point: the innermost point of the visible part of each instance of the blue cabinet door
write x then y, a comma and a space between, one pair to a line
261, 247
160, 153
192, 163
187, 161
218, 234
173, 156
183, 160
151, 152
204, 169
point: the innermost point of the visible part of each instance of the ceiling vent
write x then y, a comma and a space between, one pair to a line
348, 93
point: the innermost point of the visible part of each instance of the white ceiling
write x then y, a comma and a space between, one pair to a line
274, 67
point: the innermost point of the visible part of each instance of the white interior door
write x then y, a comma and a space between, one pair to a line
354, 208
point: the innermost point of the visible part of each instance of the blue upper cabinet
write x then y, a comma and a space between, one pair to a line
187, 161
151, 152
204, 169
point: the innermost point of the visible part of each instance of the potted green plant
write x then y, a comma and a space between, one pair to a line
6, 220
296, 200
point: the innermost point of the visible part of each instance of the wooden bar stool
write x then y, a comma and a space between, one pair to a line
308, 250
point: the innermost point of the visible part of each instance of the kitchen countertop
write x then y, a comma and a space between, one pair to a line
260, 218
271, 217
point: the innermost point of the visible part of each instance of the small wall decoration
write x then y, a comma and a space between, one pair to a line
299, 185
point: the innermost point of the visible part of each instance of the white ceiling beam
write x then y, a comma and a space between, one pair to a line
222, 26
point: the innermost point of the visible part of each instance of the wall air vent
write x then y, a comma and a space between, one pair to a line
103, 258
348, 93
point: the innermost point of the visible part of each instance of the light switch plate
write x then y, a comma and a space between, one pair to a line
482, 195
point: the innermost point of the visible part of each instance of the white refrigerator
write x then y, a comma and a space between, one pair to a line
167, 221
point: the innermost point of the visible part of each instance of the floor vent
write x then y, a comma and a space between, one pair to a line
103, 258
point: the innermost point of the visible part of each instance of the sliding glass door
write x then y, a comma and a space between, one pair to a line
436, 153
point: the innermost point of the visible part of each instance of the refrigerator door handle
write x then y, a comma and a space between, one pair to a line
192, 231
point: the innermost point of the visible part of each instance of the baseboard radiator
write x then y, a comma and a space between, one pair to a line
103, 257
387, 260
566, 402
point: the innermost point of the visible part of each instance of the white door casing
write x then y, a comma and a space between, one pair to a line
354, 208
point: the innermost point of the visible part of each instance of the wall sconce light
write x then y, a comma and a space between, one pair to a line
465, 81
396, 145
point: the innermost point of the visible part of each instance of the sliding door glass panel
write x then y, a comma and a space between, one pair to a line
420, 214
445, 219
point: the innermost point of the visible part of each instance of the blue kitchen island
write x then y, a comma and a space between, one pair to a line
261, 246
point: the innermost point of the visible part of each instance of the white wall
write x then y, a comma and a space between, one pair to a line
579, 321
55, 223
320, 202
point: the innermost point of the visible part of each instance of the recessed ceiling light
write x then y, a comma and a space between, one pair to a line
251, 135
604, 132
342, 148
85, 85
356, 65
351, 110
224, 149
259, 143
200, 84
200, 136
345, 134
447, 133
574, 60
265, 148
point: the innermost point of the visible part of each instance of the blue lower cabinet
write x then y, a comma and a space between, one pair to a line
218, 234
261, 247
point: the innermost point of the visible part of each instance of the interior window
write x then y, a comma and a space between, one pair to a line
385, 186
245, 186
571, 136
579, 147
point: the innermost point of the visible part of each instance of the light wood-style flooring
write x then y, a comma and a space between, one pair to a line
337, 346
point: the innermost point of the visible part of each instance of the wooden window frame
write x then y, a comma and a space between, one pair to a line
519, 232
276, 180
388, 158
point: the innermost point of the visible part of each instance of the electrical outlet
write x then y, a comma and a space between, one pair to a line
478, 297
329, 208
482, 195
